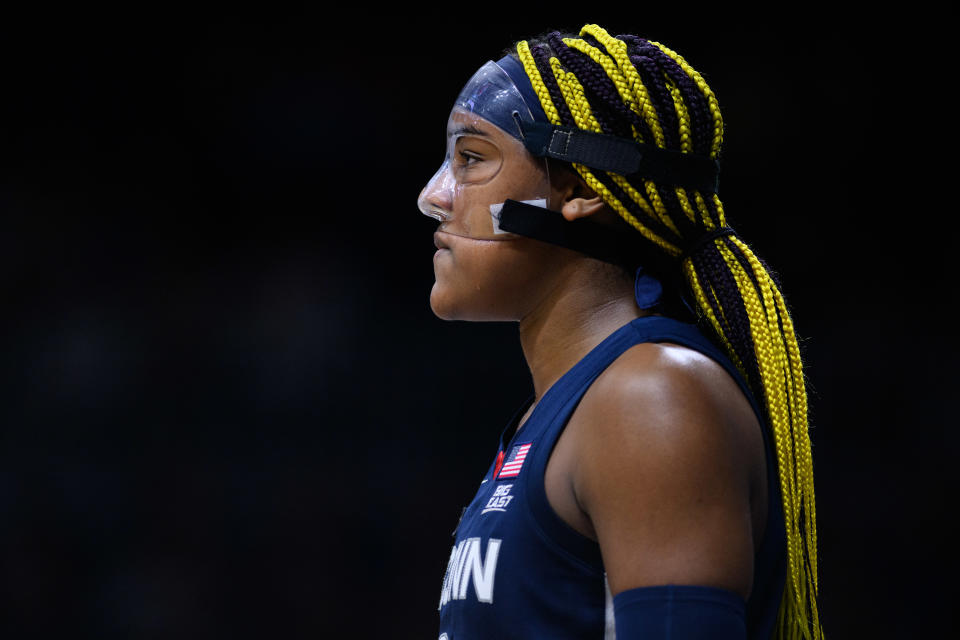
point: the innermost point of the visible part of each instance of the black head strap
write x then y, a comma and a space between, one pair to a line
619, 155
585, 236
692, 248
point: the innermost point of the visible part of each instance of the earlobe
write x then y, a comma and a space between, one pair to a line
579, 200
576, 208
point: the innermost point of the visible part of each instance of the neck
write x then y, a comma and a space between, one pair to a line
572, 319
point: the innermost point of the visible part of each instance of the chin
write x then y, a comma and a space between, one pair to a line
439, 310
446, 306
441, 305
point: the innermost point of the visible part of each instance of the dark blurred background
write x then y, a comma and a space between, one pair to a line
226, 409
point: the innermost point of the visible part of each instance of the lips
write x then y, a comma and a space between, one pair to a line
438, 242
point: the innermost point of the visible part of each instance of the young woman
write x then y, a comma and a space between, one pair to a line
658, 483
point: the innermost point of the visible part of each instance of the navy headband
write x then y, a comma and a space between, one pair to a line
515, 70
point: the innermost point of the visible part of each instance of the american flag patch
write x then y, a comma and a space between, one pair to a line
511, 466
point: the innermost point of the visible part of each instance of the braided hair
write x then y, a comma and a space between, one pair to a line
639, 89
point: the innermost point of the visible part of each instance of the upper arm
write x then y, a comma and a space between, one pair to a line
666, 463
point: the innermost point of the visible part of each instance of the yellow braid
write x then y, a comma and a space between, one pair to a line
530, 66
722, 218
685, 204
573, 94
683, 117
653, 196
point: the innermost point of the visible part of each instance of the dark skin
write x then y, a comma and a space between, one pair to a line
662, 463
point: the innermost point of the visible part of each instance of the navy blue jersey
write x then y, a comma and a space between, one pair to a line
518, 571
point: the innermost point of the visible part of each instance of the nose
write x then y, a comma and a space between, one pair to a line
436, 199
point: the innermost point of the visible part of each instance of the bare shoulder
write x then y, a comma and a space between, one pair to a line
671, 396
670, 468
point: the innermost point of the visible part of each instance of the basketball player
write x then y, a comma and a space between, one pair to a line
658, 483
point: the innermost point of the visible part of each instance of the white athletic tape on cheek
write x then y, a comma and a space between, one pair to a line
496, 208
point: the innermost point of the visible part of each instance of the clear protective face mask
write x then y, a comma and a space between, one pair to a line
485, 163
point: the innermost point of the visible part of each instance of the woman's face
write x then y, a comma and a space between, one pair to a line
481, 272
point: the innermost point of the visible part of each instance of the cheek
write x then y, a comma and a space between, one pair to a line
485, 280
471, 203
471, 212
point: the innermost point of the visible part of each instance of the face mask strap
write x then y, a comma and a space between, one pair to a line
619, 155
584, 236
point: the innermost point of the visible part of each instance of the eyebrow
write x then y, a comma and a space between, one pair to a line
469, 130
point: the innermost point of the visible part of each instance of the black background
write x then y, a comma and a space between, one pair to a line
225, 406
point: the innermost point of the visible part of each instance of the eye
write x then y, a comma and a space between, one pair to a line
474, 160
467, 158
471, 152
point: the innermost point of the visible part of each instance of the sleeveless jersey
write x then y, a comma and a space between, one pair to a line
518, 571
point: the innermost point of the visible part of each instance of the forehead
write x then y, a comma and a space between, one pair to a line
463, 123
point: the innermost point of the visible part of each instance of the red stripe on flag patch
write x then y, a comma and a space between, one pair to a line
514, 462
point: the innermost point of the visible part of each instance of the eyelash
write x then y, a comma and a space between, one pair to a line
468, 158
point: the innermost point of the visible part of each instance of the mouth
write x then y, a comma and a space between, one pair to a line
438, 241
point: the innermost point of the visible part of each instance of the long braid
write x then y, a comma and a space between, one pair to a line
631, 87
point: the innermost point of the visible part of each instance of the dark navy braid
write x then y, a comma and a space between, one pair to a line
541, 56
724, 287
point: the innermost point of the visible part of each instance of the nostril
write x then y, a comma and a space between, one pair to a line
432, 206
436, 199
434, 212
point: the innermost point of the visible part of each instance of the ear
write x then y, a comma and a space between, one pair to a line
579, 200
580, 207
